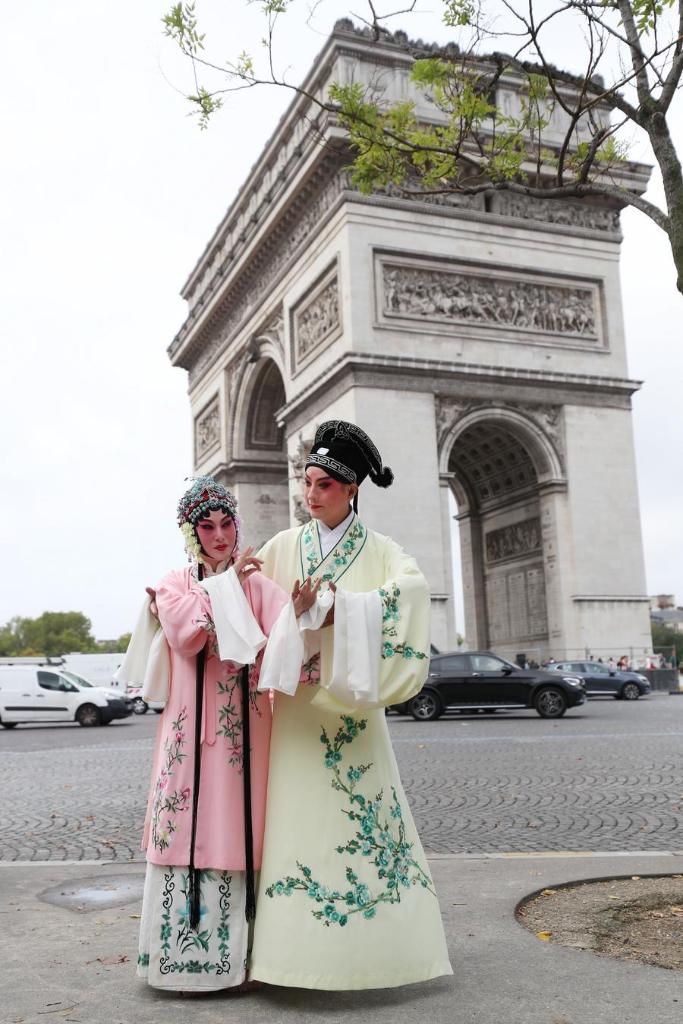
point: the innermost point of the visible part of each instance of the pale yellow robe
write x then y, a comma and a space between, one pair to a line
346, 900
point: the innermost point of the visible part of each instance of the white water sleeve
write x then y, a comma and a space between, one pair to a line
284, 655
357, 649
238, 633
146, 661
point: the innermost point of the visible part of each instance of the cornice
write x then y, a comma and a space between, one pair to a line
443, 377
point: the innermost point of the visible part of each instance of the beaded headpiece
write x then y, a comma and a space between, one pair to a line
205, 495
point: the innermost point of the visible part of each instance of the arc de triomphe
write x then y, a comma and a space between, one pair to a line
480, 343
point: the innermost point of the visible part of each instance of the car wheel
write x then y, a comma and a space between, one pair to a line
630, 691
550, 703
88, 715
157, 711
139, 706
9, 725
426, 706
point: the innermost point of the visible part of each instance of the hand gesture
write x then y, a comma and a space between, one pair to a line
304, 596
246, 565
152, 601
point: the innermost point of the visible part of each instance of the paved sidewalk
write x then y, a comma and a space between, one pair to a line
64, 965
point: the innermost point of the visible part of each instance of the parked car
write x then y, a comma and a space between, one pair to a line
601, 680
40, 694
482, 681
139, 704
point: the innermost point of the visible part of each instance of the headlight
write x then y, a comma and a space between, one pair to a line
573, 680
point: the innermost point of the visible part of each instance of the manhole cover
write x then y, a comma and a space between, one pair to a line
98, 893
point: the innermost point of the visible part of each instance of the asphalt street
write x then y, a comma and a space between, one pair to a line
604, 778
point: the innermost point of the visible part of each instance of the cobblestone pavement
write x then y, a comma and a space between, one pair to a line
607, 777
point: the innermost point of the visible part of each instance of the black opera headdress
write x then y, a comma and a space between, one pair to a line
346, 453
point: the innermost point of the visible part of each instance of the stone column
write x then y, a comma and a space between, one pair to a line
558, 563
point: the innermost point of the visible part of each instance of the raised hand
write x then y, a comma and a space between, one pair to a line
246, 565
304, 595
152, 601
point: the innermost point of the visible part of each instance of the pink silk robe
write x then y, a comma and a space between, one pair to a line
186, 618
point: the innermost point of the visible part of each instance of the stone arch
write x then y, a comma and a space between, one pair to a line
259, 467
499, 463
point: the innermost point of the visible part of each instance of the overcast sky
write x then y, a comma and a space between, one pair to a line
108, 194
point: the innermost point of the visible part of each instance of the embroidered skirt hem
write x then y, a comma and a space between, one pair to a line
176, 957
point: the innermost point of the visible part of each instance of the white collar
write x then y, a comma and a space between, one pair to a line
330, 535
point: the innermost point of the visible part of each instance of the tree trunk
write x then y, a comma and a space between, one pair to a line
672, 178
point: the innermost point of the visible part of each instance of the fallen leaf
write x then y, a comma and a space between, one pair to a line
544, 936
136, 917
548, 892
614, 897
635, 878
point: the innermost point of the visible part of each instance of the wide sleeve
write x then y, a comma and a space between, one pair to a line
381, 638
243, 617
184, 613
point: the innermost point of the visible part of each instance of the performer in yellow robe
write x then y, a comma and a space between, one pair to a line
346, 900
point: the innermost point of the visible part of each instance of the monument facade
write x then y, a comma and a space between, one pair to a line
479, 341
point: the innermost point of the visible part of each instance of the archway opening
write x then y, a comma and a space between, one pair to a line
494, 477
259, 466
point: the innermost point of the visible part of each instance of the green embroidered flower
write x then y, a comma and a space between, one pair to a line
381, 840
391, 615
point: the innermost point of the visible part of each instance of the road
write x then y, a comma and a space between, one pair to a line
607, 777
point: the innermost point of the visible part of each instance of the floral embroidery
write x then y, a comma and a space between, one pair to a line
187, 940
310, 671
230, 721
379, 838
165, 802
339, 559
390, 616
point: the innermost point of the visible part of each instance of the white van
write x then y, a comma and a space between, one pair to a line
50, 694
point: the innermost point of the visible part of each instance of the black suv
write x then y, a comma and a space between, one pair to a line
481, 681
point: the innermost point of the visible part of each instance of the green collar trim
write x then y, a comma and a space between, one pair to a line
339, 560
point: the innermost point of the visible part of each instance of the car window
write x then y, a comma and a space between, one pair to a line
49, 680
597, 669
576, 666
486, 663
79, 680
456, 663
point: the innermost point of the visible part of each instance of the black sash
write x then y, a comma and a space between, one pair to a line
194, 895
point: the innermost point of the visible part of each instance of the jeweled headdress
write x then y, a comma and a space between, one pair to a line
205, 495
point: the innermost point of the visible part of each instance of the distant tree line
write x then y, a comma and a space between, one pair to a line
54, 634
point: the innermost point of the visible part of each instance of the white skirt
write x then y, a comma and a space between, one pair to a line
171, 954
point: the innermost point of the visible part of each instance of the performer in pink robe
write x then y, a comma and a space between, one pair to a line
201, 843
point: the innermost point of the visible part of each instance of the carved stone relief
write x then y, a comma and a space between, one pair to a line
514, 541
560, 312
207, 430
551, 211
297, 463
274, 331
316, 320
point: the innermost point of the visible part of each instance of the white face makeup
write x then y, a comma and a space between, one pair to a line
217, 536
327, 499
